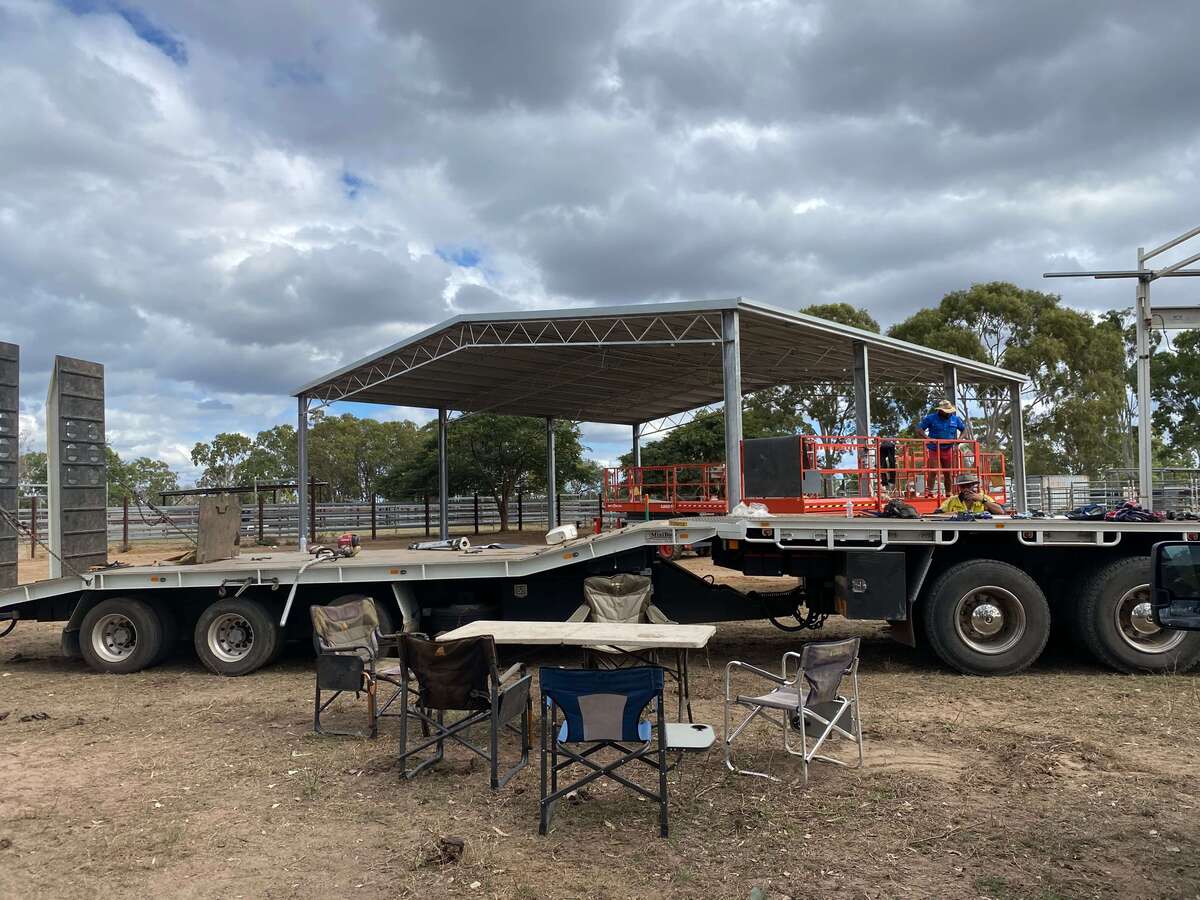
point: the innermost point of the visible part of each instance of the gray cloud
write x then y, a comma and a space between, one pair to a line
182, 207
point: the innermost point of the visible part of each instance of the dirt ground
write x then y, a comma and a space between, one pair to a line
1065, 781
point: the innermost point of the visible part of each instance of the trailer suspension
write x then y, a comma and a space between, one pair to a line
810, 619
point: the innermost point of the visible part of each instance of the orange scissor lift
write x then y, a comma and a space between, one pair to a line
862, 471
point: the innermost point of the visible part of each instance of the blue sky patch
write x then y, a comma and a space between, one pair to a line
351, 184
172, 47
295, 73
467, 257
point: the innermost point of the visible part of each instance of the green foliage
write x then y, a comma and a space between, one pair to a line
1075, 402
354, 455
498, 456
32, 467
222, 458
1175, 380
142, 477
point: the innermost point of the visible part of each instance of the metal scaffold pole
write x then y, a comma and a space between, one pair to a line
302, 473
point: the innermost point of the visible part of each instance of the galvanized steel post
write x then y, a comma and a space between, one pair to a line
862, 390
302, 472
551, 476
731, 369
1145, 428
443, 476
1018, 448
637, 445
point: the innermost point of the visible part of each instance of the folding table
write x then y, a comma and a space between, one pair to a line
626, 637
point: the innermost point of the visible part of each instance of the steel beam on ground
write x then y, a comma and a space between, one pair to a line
443, 475
302, 472
862, 389
1020, 501
551, 477
731, 370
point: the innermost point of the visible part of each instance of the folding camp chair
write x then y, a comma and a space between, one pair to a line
602, 709
351, 655
807, 702
463, 675
626, 598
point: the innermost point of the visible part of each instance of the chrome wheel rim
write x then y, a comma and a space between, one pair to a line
1134, 619
230, 637
990, 619
114, 638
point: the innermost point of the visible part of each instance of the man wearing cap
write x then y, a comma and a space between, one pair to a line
969, 499
942, 426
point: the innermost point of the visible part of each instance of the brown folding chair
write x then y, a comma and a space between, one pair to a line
462, 675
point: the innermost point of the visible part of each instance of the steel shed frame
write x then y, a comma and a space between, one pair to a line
636, 364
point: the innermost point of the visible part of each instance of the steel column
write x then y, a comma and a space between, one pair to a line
1145, 425
731, 370
637, 445
862, 389
1018, 448
302, 472
551, 476
950, 382
443, 476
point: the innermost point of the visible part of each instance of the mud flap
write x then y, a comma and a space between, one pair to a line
70, 643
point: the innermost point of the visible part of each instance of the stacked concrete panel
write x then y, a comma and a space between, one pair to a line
9, 442
76, 466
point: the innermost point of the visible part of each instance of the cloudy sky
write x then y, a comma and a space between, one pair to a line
223, 201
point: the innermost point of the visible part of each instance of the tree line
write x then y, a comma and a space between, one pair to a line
1079, 406
1079, 413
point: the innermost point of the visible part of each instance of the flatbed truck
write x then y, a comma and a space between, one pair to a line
983, 595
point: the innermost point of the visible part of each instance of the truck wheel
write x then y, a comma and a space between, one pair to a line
121, 635
236, 636
985, 617
1114, 621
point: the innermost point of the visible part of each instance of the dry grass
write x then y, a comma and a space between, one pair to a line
1066, 781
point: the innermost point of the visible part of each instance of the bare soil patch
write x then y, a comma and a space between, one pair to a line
1065, 781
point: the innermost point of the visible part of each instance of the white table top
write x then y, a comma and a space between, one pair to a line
584, 634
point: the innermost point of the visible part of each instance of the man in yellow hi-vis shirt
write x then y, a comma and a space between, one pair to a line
969, 498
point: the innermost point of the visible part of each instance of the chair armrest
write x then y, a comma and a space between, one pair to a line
656, 616
581, 614
754, 670
514, 669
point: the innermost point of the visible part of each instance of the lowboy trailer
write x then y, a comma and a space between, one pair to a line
982, 595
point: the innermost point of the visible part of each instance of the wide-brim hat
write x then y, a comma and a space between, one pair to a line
946, 406
966, 479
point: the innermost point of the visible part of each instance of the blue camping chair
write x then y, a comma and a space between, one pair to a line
601, 708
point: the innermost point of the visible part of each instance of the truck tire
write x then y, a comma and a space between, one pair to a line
986, 617
168, 620
121, 635
236, 636
385, 615
1114, 622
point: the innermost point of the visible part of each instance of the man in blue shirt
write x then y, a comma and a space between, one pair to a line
942, 426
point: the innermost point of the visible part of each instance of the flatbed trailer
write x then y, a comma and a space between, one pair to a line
983, 595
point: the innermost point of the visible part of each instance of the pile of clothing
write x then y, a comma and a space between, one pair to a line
1129, 511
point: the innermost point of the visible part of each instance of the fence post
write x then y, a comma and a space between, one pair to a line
557, 509
600, 509
372, 517
520, 516
261, 499
427, 515
33, 538
477, 512
125, 524
312, 509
